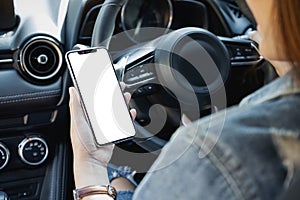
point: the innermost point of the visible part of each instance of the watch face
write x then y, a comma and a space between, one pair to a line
111, 191
75, 196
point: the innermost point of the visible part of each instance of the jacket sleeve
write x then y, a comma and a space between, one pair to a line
184, 171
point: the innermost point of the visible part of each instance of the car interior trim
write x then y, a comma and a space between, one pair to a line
250, 63
34, 106
6, 61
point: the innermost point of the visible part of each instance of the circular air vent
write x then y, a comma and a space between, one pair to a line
41, 58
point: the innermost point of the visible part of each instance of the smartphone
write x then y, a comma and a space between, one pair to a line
102, 99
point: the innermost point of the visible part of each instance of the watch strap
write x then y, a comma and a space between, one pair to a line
79, 194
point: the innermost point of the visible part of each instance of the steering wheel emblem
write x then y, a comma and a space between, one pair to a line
42, 59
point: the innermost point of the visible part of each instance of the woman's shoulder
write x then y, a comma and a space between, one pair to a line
240, 142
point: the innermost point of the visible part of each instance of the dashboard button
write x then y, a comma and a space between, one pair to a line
4, 155
238, 58
252, 58
33, 150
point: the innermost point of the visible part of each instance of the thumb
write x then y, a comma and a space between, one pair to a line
185, 120
255, 36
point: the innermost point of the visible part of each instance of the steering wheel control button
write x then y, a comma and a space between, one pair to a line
4, 155
150, 89
243, 53
145, 90
138, 74
33, 150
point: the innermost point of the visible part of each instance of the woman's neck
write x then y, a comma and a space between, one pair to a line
282, 67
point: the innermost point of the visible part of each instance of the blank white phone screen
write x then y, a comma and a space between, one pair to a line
101, 95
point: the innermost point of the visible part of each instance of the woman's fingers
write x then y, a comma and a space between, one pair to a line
185, 120
255, 36
75, 105
133, 113
123, 86
127, 96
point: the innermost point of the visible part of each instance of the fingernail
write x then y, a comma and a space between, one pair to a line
185, 120
123, 86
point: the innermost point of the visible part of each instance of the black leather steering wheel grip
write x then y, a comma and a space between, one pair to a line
103, 31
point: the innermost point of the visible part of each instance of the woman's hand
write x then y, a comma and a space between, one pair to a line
90, 161
127, 98
84, 146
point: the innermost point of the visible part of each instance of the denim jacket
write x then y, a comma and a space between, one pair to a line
250, 151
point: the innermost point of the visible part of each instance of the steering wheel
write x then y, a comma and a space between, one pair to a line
191, 64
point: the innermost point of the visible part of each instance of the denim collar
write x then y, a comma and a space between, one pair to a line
283, 86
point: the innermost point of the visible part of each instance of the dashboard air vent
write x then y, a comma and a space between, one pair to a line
235, 10
237, 22
40, 58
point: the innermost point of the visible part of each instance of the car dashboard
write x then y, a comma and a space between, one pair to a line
35, 149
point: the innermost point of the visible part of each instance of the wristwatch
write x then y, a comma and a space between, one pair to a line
80, 193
